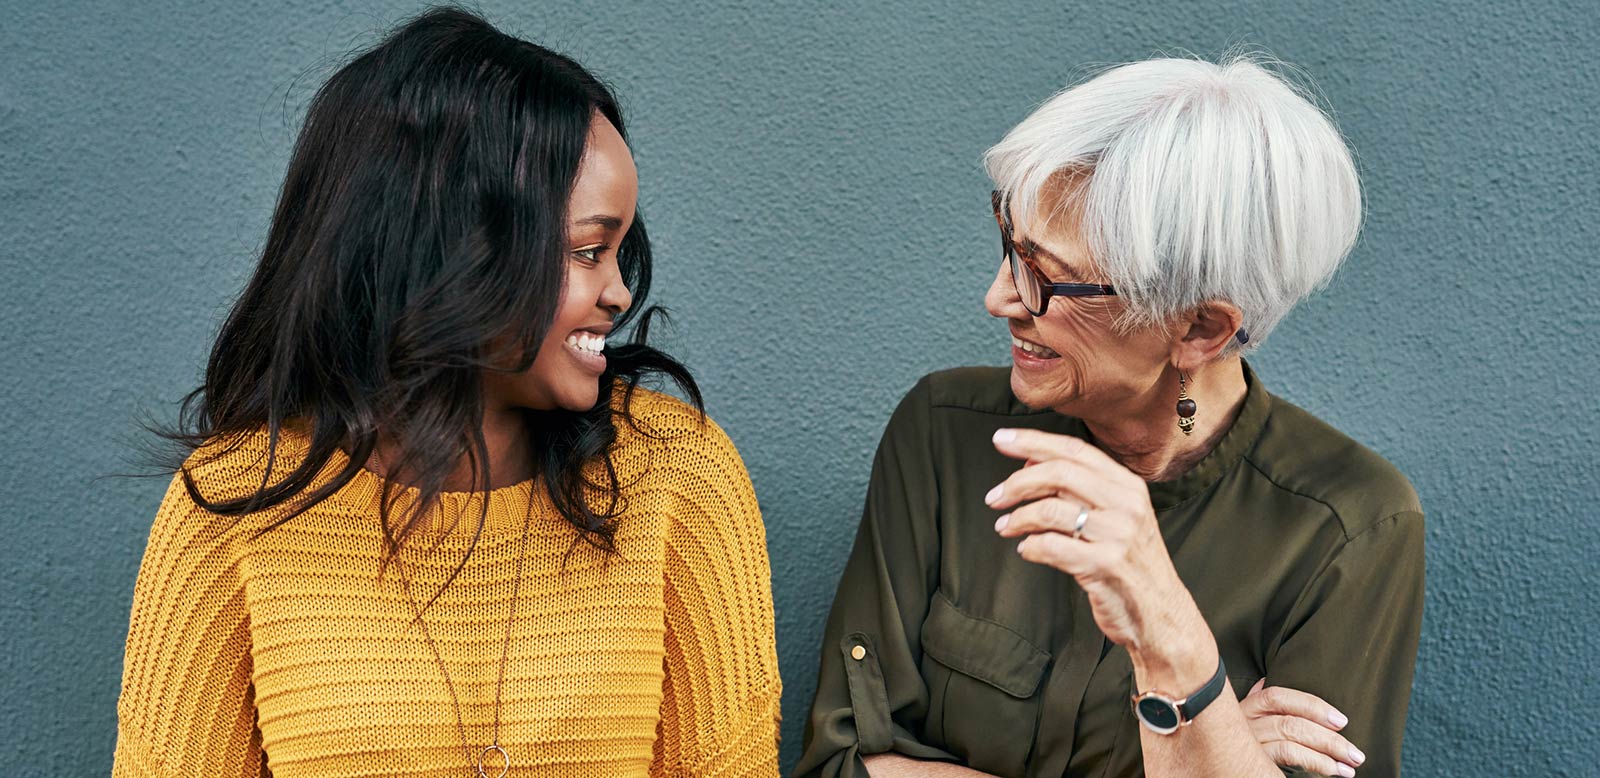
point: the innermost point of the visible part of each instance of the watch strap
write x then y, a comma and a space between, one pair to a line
1203, 696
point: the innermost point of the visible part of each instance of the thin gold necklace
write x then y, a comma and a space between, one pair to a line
494, 751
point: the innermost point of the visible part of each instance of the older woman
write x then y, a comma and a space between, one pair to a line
1077, 566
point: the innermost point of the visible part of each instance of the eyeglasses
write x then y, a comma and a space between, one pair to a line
1032, 287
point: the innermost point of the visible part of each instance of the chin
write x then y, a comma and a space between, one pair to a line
578, 396
577, 399
1036, 397
1025, 392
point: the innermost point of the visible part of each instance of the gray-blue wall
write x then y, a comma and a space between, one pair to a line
801, 164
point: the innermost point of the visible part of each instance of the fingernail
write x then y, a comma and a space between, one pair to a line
994, 494
1005, 436
1338, 719
1356, 755
1000, 523
1346, 770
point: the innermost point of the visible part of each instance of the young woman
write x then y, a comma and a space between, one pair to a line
428, 523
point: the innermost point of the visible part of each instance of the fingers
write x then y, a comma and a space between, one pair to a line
1052, 478
1062, 464
1279, 714
1054, 514
1074, 557
1293, 702
1289, 754
1039, 446
1308, 735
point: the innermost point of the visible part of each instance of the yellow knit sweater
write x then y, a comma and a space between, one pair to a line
286, 654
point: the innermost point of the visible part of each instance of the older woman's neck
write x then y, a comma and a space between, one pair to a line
1145, 436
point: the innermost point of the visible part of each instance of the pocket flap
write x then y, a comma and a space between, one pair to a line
982, 649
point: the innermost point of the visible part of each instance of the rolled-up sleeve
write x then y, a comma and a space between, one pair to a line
1352, 638
871, 697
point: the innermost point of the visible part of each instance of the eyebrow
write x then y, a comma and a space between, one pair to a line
1040, 251
608, 222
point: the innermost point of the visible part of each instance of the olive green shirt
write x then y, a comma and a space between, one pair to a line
1303, 550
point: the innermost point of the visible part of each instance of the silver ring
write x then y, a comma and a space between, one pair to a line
1079, 523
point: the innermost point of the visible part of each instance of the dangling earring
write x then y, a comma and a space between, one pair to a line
1186, 406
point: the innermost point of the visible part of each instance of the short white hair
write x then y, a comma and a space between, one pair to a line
1194, 181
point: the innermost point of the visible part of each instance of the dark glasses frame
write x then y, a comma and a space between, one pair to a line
1023, 264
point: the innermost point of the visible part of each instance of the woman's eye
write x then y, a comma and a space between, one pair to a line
590, 256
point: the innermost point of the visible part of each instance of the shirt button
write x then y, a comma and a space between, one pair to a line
858, 653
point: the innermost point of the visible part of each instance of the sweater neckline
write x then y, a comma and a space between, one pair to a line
509, 507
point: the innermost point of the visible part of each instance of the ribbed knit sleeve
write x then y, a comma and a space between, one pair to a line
719, 711
187, 705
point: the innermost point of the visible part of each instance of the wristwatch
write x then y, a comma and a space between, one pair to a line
1163, 715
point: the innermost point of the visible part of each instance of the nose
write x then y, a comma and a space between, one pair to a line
1001, 300
616, 297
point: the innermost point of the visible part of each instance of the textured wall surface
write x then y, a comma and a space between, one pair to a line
800, 164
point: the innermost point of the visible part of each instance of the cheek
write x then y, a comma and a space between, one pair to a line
551, 378
1082, 335
1074, 333
577, 310
537, 387
556, 379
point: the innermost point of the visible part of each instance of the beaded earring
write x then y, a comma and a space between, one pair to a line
1186, 406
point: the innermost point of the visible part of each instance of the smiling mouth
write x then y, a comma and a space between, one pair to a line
1033, 349
587, 343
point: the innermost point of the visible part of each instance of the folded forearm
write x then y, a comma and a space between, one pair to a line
1217, 744
897, 766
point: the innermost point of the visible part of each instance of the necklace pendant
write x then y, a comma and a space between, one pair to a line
503, 758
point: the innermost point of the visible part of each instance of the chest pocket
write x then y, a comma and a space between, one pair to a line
983, 681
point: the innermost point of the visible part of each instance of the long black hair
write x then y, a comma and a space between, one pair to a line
422, 221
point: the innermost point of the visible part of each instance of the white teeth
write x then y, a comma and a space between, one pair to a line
1033, 348
594, 344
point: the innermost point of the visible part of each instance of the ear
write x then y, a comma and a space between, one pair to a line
1202, 333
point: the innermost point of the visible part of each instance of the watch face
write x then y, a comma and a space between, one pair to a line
1158, 714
